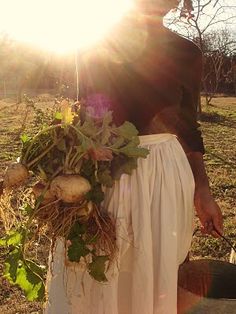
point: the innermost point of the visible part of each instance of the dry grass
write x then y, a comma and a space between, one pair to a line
219, 130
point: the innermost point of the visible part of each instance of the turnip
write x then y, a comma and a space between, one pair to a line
39, 189
70, 188
67, 204
16, 174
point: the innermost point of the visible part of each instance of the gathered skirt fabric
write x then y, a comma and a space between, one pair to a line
153, 210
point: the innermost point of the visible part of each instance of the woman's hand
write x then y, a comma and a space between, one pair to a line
208, 212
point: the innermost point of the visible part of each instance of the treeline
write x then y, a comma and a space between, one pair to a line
225, 80
219, 62
24, 68
211, 26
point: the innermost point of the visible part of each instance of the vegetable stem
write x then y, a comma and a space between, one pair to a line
41, 155
24, 159
31, 217
27, 261
66, 164
75, 159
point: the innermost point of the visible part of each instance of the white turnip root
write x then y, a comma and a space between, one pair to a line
39, 189
70, 188
16, 175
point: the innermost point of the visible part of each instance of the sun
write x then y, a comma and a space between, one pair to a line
60, 25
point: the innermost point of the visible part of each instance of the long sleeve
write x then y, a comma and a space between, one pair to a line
188, 128
158, 93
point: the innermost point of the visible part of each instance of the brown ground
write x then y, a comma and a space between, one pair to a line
219, 130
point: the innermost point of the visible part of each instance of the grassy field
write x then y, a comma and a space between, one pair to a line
219, 131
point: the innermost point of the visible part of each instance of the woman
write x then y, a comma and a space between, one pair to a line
151, 77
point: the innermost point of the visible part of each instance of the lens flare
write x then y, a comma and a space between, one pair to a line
60, 25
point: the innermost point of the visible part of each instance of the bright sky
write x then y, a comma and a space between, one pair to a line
60, 25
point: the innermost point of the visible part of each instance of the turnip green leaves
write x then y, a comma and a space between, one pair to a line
22, 272
93, 148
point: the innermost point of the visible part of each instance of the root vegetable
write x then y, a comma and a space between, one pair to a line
16, 175
39, 189
70, 188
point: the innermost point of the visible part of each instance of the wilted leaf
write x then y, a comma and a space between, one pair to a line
97, 268
77, 249
100, 153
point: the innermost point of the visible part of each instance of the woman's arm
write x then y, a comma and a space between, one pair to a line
207, 209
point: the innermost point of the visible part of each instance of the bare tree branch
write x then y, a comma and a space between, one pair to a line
218, 45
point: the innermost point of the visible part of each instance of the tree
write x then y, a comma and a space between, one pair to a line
218, 47
5, 47
17, 62
24, 68
207, 16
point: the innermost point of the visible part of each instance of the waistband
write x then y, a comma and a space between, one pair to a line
156, 138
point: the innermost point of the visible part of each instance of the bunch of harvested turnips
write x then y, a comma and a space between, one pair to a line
57, 187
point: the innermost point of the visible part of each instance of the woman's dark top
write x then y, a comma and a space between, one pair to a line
147, 75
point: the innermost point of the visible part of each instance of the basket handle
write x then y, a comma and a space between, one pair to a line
222, 237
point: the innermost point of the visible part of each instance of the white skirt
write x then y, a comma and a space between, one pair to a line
153, 209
